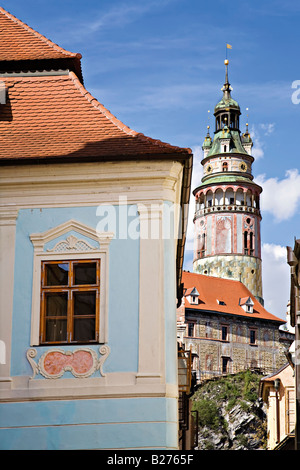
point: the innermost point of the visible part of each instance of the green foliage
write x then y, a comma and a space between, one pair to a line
207, 412
241, 389
250, 386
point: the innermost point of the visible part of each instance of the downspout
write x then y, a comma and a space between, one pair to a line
276, 386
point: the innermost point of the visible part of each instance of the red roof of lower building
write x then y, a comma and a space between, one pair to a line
213, 290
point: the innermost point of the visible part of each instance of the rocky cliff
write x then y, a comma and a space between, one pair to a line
230, 413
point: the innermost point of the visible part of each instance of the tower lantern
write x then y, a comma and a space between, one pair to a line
227, 216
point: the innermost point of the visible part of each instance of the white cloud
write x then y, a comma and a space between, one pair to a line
257, 150
268, 128
120, 15
281, 197
258, 145
276, 279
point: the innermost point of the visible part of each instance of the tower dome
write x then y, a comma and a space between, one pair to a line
227, 211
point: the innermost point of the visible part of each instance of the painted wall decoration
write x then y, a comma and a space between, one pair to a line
81, 363
223, 235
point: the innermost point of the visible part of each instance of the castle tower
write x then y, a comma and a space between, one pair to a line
227, 214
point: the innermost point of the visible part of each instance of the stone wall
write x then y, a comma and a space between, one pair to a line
246, 269
235, 353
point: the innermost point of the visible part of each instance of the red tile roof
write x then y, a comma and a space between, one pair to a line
55, 116
20, 42
213, 289
50, 115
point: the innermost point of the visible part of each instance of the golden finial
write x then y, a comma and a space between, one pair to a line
247, 109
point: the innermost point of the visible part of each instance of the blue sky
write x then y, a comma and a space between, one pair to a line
158, 65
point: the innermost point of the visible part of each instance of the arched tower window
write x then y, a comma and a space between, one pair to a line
249, 237
201, 201
245, 242
225, 166
251, 243
249, 198
229, 196
239, 197
219, 197
209, 198
201, 246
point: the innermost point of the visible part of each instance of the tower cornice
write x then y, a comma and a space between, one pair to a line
217, 184
228, 154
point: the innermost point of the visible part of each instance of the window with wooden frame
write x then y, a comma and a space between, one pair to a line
70, 301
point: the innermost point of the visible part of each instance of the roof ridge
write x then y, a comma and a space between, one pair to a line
39, 35
94, 102
123, 127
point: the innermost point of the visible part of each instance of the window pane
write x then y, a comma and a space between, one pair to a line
84, 303
56, 330
57, 274
252, 337
56, 304
224, 333
84, 329
85, 273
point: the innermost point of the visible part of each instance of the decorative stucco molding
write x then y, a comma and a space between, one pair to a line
72, 243
8, 214
82, 362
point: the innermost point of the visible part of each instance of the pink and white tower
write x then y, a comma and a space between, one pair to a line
227, 212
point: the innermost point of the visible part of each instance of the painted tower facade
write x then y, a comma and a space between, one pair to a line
227, 210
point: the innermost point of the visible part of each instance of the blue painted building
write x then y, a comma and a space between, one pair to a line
92, 231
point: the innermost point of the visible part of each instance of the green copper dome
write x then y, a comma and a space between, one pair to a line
207, 141
235, 144
246, 138
225, 178
227, 103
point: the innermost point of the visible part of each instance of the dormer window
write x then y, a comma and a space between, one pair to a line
193, 299
192, 296
221, 302
247, 304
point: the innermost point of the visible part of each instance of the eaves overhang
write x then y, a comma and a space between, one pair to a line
195, 311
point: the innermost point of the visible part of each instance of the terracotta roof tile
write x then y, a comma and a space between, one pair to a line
20, 42
55, 116
50, 113
211, 289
